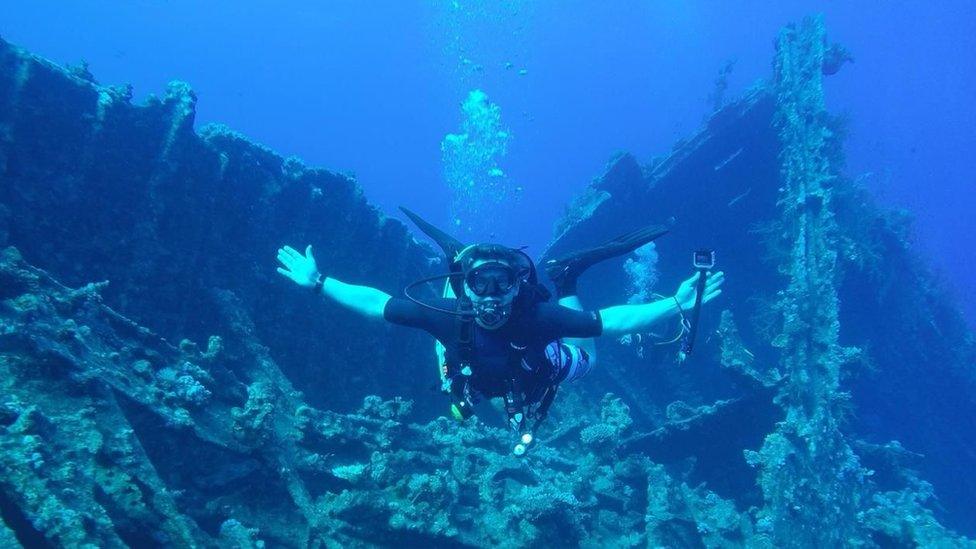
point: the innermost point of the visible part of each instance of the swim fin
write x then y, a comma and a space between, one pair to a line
450, 245
447, 243
564, 271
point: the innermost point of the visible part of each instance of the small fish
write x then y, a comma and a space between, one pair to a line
740, 197
722, 164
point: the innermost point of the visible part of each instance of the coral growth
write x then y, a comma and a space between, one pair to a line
103, 445
812, 481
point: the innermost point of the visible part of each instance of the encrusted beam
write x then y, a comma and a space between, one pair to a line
811, 479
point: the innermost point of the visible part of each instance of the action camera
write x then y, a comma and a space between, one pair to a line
704, 259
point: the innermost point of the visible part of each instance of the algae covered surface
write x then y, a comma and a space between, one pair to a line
151, 397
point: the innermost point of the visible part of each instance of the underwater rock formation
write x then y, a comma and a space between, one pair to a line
253, 431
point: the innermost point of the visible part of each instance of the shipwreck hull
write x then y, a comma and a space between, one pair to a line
913, 380
830, 341
96, 188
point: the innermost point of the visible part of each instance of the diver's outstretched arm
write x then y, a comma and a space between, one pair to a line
588, 344
302, 270
364, 300
629, 319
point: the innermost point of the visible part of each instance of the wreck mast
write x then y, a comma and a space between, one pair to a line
810, 477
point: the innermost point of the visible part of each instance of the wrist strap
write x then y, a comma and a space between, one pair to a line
319, 282
685, 325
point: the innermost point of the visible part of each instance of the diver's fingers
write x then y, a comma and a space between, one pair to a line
285, 257
293, 252
710, 296
715, 282
284, 251
287, 260
285, 273
308, 253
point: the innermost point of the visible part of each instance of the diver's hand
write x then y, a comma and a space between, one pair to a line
687, 291
300, 269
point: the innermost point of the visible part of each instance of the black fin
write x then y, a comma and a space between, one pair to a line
450, 245
564, 271
447, 243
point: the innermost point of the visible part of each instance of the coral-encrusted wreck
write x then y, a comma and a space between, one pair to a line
837, 378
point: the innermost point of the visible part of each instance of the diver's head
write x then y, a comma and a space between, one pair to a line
492, 288
493, 275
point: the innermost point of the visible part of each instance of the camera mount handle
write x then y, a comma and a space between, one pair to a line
688, 341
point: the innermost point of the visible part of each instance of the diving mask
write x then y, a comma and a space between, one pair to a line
493, 279
492, 288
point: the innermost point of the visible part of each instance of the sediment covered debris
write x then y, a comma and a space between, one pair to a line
113, 436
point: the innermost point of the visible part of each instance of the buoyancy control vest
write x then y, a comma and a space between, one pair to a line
528, 392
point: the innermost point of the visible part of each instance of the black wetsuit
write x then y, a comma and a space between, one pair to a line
535, 327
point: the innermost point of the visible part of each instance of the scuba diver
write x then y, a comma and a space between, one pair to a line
498, 334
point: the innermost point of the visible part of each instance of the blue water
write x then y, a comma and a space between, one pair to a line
373, 91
